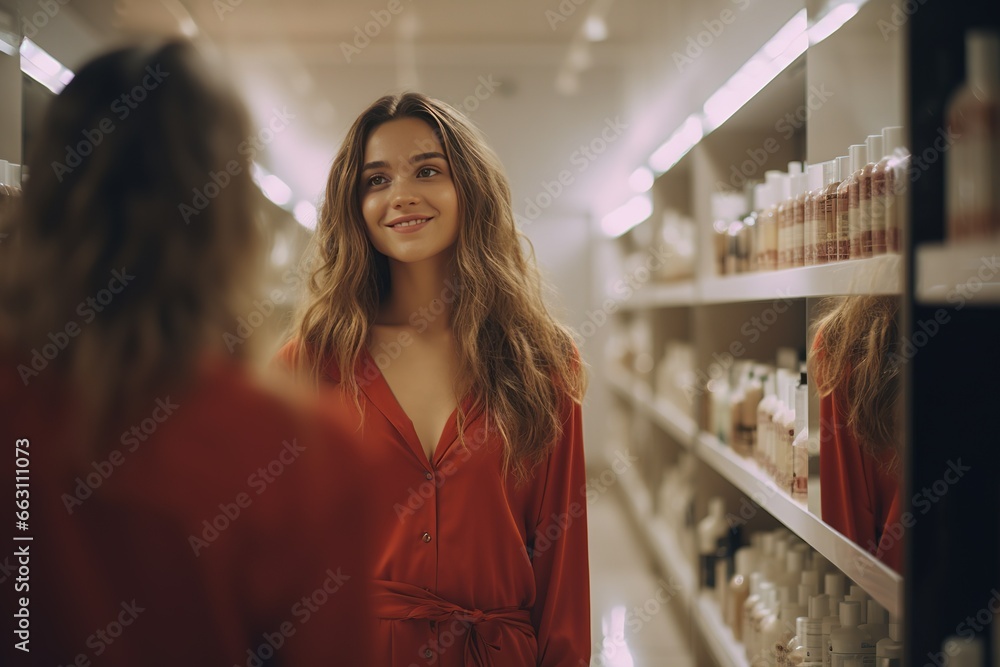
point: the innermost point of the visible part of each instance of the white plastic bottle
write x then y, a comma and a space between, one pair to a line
962, 652
799, 483
711, 530
877, 623
889, 651
849, 641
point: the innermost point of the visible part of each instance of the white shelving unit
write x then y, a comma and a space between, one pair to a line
883, 584
728, 318
963, 274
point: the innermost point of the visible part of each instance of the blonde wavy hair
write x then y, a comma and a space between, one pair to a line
121, 209
857, 345
518, 360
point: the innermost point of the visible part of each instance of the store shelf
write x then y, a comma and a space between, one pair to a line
958, 275
670, 558
668, 417
661, 295
724, 647
882, 583
876, 275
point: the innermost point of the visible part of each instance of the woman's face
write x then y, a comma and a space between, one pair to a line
407, 196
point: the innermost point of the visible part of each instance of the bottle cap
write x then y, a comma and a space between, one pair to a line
830, 172
962, 652
874, 145
819, 607
758, 197
833, 584
893, 140
844, 164
859, 156
850, 614
814, 176
794, 168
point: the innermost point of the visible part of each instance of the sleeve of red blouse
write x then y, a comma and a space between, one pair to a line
561, 613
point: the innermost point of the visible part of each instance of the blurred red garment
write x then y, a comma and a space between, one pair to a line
859, 495
226, 528
473, 568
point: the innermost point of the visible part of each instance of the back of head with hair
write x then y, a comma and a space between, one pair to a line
116, 250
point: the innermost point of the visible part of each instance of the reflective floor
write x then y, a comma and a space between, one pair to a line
632, 625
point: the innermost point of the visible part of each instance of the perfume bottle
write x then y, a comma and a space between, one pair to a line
873, 150
858, 160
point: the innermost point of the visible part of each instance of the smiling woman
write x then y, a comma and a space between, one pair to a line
483, 397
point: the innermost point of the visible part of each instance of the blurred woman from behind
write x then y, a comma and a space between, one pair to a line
181, 513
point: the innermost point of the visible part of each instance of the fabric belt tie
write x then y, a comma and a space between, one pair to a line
395, 601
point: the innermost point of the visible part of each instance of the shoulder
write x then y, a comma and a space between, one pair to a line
296, 357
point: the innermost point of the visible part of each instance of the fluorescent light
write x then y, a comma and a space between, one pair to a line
305, 214
832, 21
627, 216
641, 179
276, 190
680, 142
595, 29
43, 68
778, 53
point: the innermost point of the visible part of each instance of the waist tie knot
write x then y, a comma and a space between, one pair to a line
397, 601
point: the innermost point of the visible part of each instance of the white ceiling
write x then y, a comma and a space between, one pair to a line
290, 54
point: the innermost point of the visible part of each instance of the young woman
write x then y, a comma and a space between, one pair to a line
426, 314
179, 513
855, 363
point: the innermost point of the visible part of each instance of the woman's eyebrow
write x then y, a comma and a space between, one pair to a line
420, 157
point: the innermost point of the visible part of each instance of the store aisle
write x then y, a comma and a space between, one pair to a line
631, 626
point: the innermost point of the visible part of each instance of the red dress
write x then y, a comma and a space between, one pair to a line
474, 568
224, 528
858, 495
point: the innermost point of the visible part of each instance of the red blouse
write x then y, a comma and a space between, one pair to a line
858, 496
474, 569
222, 529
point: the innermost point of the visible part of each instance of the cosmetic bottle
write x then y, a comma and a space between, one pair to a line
795, 650
739, 590
719, 391
877, 622
880, 221
768, 598
963, 652
753, 394
833, 586
751, 227
799, 487
786, 217
842, 240
894, 166
889, 651
830, 623
764, 411
858, 159
779, 630
858, 594
799, 182
733, 235
814, 185
812, 636
735, 404
786, 429
711, 529
774, 190
757, 581
848, 641
720, 231
873, 151
972, 162
770, 430
831, 180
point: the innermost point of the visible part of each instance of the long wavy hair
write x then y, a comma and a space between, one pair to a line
125, 201
857, 340
518, 361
